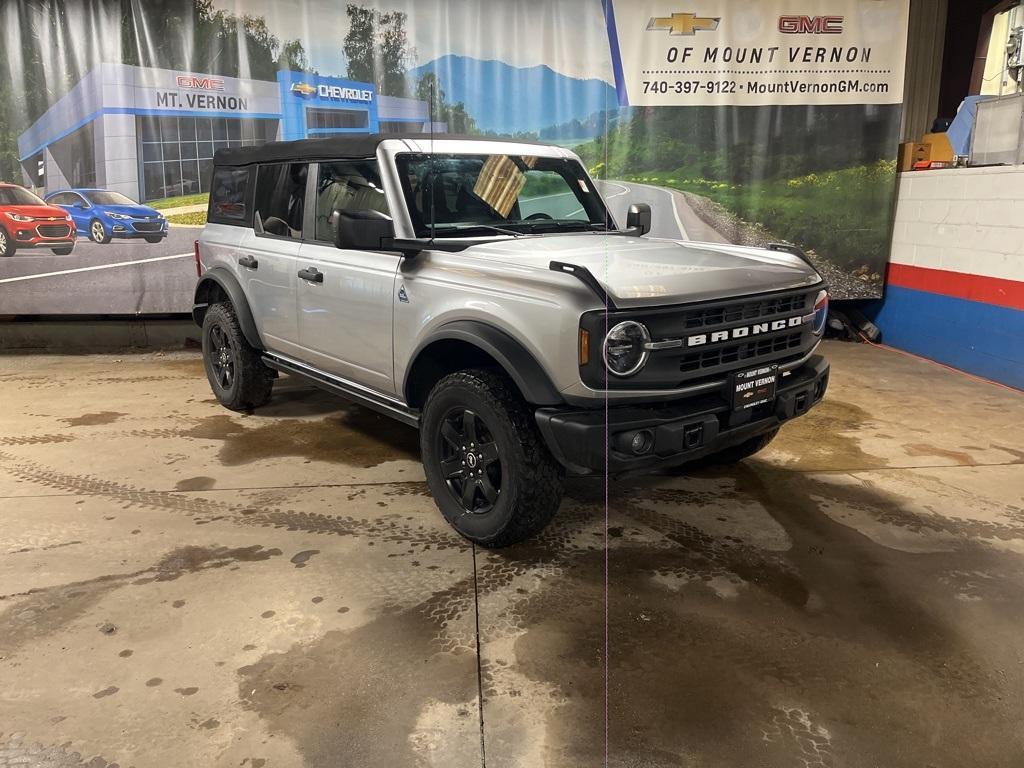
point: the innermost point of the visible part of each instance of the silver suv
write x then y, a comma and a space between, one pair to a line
482, 292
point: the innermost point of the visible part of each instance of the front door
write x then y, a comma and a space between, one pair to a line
345, 297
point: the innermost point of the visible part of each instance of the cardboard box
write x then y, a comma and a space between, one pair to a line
940, 150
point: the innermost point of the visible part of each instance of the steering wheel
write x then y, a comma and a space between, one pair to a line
538, 215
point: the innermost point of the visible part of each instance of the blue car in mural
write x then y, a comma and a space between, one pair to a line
102, 215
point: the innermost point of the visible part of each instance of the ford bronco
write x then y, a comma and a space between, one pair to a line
480, 291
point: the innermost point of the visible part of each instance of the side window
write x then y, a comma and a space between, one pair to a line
229, 192
350, 185
281, 198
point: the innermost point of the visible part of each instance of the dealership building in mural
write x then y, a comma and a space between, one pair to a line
151, 133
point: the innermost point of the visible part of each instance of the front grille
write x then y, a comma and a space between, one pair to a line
739, 353
744, 310
146, 226
53, 230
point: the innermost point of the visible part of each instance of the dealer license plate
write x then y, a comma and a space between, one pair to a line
754, 387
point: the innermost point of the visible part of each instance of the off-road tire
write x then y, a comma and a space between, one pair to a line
743, 450
251, 381
7, 245
532, 481
64, 251
98, 233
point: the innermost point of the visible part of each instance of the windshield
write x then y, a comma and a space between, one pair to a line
109, 198
452, 195
18, 196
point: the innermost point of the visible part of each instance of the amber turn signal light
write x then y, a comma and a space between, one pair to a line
584, 346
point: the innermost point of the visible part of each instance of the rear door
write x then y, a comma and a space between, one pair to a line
345, 296
264, 257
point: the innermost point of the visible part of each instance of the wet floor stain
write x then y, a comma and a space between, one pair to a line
961, 458
300, 559
400, 666
93, 419
358, 437
200, 483
828, 437
722, 653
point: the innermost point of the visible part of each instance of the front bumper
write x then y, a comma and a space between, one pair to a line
141, 228
683, 430
41, 234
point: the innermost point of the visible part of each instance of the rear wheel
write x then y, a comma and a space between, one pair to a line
488, 468
153, 239
98, 233
7, 247
64, 251
236, 373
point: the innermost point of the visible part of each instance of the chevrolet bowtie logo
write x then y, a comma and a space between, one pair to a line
303, 89
683, 23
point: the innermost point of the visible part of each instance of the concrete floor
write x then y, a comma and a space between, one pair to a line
182, 586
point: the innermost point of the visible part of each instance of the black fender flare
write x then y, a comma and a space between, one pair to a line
531, 378
229, 284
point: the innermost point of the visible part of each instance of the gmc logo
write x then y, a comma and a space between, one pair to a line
200, 83
811, 25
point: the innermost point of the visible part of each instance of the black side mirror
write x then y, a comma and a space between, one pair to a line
363, 230
639, 218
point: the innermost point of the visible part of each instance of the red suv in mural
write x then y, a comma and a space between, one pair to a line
28, 222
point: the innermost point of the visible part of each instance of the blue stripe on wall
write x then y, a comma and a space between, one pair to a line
982, 339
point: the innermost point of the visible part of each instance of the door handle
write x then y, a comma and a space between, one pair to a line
312, 274
249, 262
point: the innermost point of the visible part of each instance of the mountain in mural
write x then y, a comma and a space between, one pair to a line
508, 99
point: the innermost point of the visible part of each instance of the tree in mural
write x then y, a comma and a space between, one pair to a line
59, 41
377, 49
429, 89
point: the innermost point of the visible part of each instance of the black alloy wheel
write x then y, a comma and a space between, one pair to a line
222, 357
470, 461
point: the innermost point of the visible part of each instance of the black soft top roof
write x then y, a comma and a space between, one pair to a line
334, 147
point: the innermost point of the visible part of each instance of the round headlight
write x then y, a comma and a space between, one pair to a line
625, 351
820, 312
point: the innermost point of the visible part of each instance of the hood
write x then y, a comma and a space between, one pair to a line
37, 211
130, 210
644, 271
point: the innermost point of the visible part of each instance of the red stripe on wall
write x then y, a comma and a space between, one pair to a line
987, 290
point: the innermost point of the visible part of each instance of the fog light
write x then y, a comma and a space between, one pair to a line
641, 442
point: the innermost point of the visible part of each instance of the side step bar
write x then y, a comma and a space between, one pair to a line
350, 391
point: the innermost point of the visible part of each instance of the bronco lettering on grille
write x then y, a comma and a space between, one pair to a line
744, 330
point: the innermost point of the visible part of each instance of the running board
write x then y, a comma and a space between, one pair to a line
354, 392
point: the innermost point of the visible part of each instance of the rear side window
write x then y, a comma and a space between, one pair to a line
229, 196
280, 205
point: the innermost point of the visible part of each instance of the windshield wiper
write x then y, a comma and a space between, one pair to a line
469, 227
538, 224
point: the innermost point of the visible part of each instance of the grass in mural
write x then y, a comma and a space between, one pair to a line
191, 219
179, 202
841, 212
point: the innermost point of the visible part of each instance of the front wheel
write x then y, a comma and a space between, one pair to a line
7, 247
64, 251
154, 239
236, 373
98, 233
487, 466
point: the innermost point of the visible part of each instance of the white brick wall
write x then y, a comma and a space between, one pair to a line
967, 220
